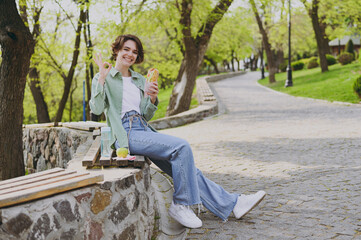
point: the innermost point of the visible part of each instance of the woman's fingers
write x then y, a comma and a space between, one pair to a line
98, 59
153, 89
107, 65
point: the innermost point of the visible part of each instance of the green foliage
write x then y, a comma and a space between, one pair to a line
312, 63
283, 66
349, 47
345, 58
357, 86
164, 96
232, 34
303, 37
333, 85
298, 65
330, 59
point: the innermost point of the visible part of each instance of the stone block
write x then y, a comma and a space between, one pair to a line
127, 234
64, 209
124, 183
41, 228
106, 185
68, 235
100, 201
139, 176
18, 224
83, 197
119, 212
95, 231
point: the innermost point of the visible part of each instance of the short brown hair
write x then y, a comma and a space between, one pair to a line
118, 44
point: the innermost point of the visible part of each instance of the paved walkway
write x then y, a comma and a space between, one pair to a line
306, 154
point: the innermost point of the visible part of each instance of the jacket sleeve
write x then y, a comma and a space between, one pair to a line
150, 109
97, 101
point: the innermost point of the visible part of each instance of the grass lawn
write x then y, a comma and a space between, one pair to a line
163, 97
334, 85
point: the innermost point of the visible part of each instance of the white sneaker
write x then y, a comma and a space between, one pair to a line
245, 203
184, 215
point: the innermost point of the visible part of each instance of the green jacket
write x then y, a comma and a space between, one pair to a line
108, 99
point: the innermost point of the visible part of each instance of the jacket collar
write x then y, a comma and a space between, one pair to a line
114, 72
136, 77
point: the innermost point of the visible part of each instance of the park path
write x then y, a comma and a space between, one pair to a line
306, 154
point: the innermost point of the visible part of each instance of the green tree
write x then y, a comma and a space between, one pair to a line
349, 47
232, 38
195, 46
270, 53
319, 27
34, 75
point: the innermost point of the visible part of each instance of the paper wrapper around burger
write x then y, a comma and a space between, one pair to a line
152, 75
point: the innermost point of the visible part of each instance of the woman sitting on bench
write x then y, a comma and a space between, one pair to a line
129, 104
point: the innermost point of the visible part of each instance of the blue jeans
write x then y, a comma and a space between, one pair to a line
174, 156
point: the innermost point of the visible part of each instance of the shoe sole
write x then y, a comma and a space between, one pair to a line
255, 205
182, 223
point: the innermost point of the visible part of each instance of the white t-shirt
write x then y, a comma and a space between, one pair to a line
131, 96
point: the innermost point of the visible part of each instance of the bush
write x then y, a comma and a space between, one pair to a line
349, 48
330, 59
312, 63
357, 87
298, 65
345, 58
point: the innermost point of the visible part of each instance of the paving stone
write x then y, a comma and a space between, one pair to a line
305, 153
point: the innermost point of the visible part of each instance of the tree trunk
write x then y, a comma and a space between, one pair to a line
322, 46
89, 72
42, 112
279, 58
17, 47
71, 101
213, 63
253, 62
232, 61
69, 78
226, 65
272, 68
238, 64
195, 48
41, 107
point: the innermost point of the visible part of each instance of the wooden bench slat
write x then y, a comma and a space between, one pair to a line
43, 183
105, 161
50, 189
36, 180
33, 175
92, 154
87, 126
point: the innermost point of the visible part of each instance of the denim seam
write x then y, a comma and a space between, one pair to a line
180, 168
219, 213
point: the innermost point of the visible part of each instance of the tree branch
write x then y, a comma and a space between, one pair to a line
67, 15
132, 16
53, 62
213, 18
186, 22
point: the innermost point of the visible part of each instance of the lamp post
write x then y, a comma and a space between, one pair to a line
289, 82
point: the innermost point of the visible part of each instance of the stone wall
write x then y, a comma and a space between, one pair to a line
118, 208
208, 104
49, 147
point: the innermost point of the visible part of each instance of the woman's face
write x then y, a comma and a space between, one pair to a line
128, 54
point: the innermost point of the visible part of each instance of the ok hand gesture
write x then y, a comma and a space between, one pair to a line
104, 67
